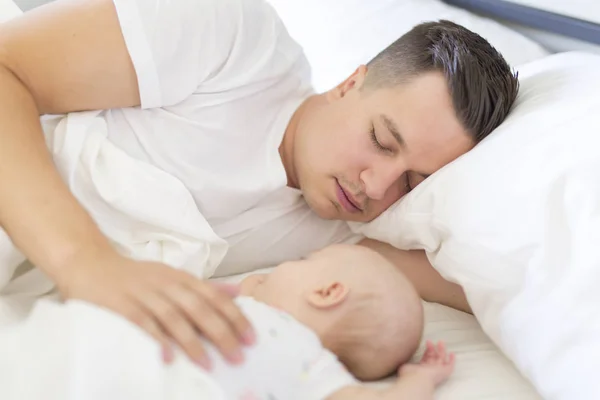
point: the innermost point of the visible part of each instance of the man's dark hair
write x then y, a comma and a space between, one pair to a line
482, 85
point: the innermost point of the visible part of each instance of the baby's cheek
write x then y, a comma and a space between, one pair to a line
269, 293
249, 284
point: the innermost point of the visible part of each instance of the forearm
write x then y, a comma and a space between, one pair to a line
37, 210
411, 387
428, 282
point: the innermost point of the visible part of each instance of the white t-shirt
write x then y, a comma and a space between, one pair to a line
287, 362
219, 81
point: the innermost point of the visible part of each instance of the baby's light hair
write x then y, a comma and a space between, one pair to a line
382, 326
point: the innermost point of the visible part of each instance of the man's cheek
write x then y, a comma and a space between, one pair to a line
391, 197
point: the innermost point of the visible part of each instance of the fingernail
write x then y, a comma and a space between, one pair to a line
167, 354
236, 356
249, 337
231, 289
205, 363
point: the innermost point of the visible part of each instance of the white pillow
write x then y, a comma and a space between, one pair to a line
339, 35
516, 222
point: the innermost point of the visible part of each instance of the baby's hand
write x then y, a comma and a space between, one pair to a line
435, 364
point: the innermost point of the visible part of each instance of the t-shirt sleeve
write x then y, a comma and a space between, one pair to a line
175, 45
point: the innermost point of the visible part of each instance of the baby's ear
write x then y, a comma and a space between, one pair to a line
328, 296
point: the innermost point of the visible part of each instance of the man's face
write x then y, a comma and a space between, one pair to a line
360, 151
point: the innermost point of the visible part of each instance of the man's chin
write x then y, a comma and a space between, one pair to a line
357, 218
319, 209
327, 215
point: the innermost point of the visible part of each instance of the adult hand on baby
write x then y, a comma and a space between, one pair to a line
436, 364
171, 305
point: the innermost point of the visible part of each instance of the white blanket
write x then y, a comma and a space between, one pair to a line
147, 213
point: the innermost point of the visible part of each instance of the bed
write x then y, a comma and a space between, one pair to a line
482, 371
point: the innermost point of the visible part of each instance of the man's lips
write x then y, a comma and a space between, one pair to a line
346, 200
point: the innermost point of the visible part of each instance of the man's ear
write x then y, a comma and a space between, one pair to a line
354, 81
328, 296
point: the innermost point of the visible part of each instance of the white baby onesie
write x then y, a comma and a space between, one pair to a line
79, 351
288, 362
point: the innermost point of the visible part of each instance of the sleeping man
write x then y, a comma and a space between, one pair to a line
216, 94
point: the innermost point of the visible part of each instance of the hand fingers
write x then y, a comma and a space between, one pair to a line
175, 322
229, 289
227, 308
209, 322
167, 354
143, 318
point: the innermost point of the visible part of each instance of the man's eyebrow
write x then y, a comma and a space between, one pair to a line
393, 128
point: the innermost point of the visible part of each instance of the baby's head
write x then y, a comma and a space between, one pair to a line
361, 306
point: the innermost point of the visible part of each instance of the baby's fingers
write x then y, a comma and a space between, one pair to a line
451, 360
441, 352
430, 352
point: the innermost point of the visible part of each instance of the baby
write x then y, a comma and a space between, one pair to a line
342, 314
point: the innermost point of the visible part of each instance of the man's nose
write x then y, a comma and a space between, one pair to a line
377, 181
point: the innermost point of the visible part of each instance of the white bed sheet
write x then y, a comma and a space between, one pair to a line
482, 371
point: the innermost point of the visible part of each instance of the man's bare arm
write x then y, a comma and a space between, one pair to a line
428, 282
70, 55
66, 56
